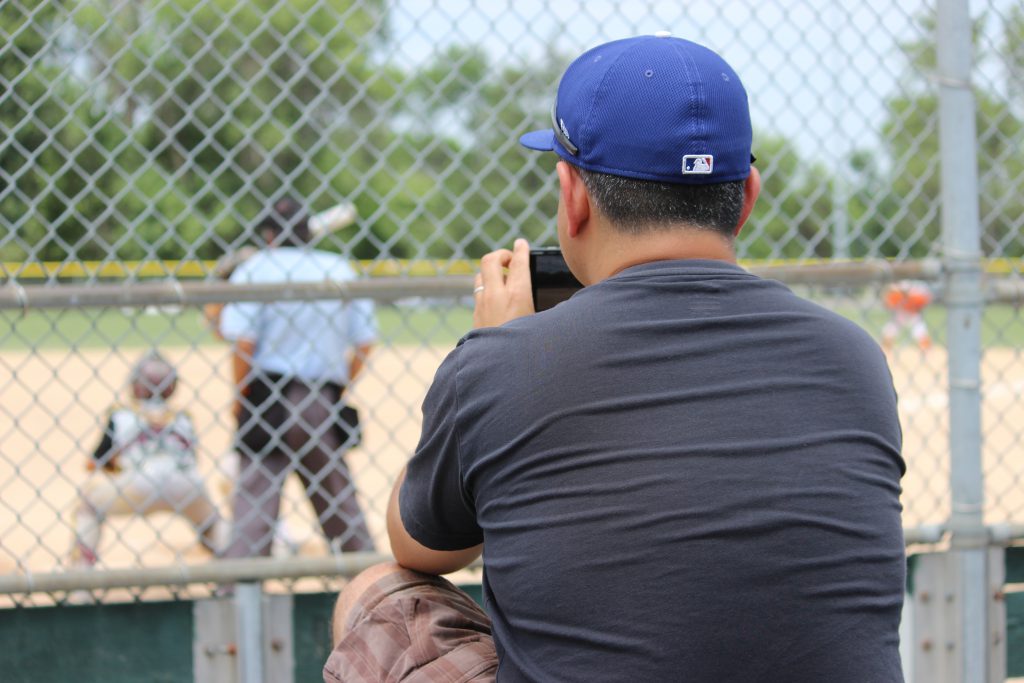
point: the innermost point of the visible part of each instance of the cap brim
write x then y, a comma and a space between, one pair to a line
540, 140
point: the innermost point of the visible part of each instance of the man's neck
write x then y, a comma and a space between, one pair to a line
624, 251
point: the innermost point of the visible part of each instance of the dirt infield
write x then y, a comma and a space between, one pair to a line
54, 404
58, 403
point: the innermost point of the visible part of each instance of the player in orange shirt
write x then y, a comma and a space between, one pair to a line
906, 300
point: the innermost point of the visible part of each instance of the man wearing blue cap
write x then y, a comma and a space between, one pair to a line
684, 472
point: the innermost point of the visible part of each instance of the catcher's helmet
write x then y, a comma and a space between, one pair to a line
153, 376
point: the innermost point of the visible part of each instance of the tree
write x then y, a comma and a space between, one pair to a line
906, 219
474, 188
793, 217
238, 103
43, 126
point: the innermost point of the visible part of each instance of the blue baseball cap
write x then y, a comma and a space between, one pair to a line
654, 108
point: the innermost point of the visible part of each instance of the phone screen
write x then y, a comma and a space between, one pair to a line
550, 278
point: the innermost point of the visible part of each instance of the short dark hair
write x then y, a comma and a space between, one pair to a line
287, 218
636, 206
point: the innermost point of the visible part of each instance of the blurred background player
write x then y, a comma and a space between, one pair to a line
286, 540
291, 363
145, 462
906, 301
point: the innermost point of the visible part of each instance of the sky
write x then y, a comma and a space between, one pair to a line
816, 71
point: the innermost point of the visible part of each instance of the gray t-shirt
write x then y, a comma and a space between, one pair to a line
685, 472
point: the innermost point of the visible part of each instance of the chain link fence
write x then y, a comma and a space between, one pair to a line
145, 140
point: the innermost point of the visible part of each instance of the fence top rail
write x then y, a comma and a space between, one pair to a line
215, 571
15, 296
173, 292
345, 564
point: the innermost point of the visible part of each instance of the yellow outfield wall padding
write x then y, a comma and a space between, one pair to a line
195, 268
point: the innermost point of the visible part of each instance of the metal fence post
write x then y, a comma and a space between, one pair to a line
962, 251
249, 631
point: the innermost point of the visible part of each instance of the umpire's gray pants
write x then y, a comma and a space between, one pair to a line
302, 436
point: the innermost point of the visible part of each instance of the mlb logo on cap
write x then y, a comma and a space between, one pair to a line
698, 163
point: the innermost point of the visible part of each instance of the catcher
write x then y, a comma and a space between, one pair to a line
145, 462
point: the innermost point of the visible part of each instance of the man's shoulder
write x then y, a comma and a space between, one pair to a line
511, 333
514, 350
835, 324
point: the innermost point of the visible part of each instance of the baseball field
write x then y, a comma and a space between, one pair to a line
60, 371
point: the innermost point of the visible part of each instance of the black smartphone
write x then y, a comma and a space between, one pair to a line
550, 278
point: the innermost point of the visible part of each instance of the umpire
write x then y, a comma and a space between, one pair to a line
291, 363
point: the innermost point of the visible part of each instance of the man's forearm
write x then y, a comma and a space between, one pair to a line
412, 554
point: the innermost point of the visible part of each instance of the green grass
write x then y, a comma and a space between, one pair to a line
102, 328
135, 328
435, 326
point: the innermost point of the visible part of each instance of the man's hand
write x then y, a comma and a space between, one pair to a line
502, 296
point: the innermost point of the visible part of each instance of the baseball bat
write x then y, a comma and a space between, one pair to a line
334, 218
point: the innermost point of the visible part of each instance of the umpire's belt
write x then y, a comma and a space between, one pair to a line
266, 415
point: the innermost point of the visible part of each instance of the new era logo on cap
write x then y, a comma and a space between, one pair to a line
698, 163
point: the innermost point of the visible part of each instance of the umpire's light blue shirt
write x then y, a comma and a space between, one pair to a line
308, 340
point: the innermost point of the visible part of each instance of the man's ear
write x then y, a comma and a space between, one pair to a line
574, 198
751, 190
